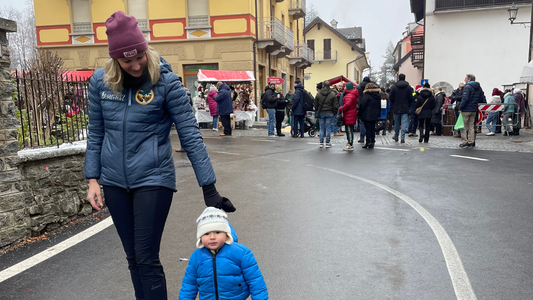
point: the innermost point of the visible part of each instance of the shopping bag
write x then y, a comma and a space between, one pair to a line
459, 124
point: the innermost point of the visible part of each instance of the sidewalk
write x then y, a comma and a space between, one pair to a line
520, 143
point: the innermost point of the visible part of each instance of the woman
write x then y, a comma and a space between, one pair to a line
493, 116
426, 100
349, 112
224, 107
280, 110
436, 118
213, 106
134, 100
510, 107
369, 112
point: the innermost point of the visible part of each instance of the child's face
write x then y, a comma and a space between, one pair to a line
214, 240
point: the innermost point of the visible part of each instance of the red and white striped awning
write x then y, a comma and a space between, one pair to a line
225, 76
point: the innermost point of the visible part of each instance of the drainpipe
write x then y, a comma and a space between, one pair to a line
255, 57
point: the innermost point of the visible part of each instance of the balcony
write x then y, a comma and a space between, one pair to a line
198, 22
302, 57
441, 5
327, 55
277, 39
417, 43
297, 9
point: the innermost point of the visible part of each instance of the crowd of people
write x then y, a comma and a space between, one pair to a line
369, 109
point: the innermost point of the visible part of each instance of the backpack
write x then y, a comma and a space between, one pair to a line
307, 101
263, 101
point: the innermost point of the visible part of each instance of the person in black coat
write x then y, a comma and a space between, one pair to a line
369, 112
280, 110
426, 100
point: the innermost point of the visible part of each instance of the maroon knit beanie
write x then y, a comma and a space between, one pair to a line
124, 37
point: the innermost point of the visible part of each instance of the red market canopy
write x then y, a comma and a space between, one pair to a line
77, 75
225, 76
338, 79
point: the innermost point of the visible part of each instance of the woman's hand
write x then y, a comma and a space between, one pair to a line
94, 195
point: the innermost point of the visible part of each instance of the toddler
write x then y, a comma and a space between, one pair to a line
221, 268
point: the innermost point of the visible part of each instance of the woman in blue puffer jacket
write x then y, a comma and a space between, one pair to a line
134, 101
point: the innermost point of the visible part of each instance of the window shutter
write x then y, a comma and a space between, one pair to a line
197, 7
81, 11
137, 8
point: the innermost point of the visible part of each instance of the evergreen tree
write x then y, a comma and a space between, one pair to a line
385, 75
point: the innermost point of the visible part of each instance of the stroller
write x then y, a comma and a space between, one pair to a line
309, 125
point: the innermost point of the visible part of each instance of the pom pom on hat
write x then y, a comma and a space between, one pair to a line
349, 86
212, 219
125, 39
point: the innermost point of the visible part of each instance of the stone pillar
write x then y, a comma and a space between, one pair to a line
14, 220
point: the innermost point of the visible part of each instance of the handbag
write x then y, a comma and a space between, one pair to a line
419, 110
340, 119
380, 125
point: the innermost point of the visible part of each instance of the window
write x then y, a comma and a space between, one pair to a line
137, 8
198, 14
327, 48
311, 44
81, 16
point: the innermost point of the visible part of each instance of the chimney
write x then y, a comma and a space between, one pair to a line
334, 23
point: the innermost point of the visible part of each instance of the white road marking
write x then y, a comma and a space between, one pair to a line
270, 141
50, 252
461, 283
222, 152
393, 149
468, 157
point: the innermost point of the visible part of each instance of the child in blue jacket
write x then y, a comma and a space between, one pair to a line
221, 269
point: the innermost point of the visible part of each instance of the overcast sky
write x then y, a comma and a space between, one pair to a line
382, 20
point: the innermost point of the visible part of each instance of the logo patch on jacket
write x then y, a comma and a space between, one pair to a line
111, 96
143, 97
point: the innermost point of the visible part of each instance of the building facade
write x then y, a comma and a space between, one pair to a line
472, 36
405, 62
189, 34
338, 51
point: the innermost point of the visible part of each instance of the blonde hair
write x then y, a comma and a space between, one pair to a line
113, 72
218, 85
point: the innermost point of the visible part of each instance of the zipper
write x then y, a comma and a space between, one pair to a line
124, 140
215, 274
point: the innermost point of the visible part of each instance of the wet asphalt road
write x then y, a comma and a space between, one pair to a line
322, 226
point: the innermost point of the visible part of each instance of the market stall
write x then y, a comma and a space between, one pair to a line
240, 82
341, 78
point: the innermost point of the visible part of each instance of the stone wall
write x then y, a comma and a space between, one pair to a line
39, 189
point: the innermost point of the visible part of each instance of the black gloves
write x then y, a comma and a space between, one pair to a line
213, 198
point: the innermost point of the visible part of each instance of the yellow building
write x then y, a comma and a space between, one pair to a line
189, 34
338, 51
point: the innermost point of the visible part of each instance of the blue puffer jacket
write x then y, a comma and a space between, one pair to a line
472, 95
237, 275
224, 102
129, 144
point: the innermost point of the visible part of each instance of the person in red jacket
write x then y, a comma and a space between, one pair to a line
349, 112
213, 106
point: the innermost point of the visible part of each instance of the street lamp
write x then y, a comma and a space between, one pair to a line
513, 11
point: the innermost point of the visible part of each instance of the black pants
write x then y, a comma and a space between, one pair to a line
424, 124
299, 120
370, 127
280, 115
139, 216
437, 128
226, 122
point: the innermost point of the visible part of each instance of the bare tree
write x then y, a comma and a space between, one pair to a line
22, 44
310, 14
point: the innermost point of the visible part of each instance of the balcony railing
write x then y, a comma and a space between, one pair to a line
461, 4
199, 21
297, 9
302, 55
326, 55
143, 24
289, 39
82, 27
417, 43
271, 29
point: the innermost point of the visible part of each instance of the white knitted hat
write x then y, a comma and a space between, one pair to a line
212, 219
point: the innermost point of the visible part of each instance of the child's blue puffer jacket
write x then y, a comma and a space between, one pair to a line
237, 275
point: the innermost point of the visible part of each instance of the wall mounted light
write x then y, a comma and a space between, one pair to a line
513, 12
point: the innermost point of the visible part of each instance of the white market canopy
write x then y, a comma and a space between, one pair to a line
225, 76
527, 73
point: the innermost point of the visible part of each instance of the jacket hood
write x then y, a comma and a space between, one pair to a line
402, 84
475, 85
376, 90
223, 87
268, 88
325, 91
426, 92
299, 86
212, 93
164, 66
352, 91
